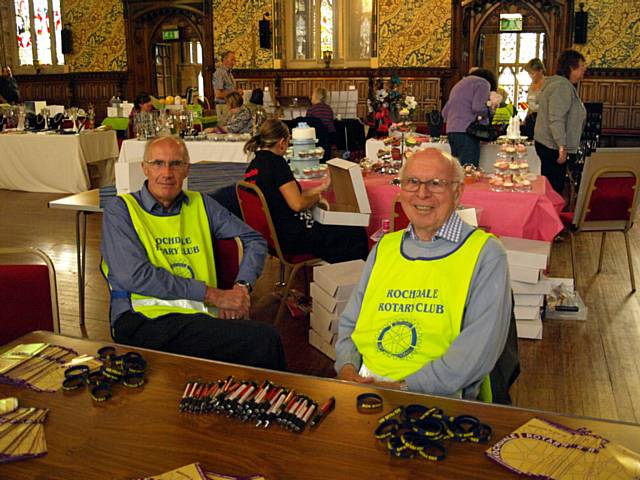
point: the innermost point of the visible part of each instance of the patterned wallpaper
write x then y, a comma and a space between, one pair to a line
613, 34
99, 42
235, 27
414, 33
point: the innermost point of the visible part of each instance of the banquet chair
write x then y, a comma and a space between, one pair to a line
255, 213
399, 220
228, 255
28, 294
607, 200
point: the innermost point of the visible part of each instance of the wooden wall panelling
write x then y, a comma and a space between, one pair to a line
623, 93
635, 118
621, 118
74, 89
605, 92
589, 91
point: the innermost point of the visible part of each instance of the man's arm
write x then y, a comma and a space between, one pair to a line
485, 325
129, 267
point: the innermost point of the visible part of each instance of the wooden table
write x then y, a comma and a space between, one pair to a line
140, 432
83, 204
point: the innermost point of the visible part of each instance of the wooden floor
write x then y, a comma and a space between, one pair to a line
589, 368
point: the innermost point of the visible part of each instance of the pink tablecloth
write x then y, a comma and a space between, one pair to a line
531, 215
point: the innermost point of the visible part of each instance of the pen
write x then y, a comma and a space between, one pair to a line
325, 410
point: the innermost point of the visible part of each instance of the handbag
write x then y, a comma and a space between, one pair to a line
483, 132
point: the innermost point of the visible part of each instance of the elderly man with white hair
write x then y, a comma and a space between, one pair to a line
432, 310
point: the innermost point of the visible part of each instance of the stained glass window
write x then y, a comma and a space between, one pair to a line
39, 25
515, 50
23, 32
326, 25
359, 28
57, 25
315, 29
304, 29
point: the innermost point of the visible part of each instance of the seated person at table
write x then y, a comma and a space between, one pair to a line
157, 247
432, 309
320, 110
142, 103
290, 206
8, 86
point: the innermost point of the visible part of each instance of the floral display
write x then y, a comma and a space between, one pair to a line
388, 105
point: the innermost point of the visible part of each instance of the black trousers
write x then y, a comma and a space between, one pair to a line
331, 243
549, 167
465, 148
245, 342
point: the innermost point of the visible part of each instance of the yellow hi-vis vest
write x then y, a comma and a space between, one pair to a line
181, 244
412, 309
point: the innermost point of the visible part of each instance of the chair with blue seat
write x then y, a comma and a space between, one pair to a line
28, 294
607, 200
255, 213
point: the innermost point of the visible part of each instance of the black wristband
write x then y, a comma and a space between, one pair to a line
369, 403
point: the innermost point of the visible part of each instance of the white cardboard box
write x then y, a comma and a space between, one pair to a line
351, 206
316, 341
527, 253
544, 286
338, 279
528, 299
330, 319
525, 312
524, 274
327, 301
531, 329
320, 326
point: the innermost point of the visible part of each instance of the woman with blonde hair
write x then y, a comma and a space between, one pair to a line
290, 206
535, 69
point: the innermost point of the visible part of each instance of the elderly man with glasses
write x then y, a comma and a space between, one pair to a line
432, 310
158, 258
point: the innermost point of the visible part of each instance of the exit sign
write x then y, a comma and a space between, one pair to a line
170, 35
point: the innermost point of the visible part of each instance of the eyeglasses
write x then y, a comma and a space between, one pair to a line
159, 164
434, 185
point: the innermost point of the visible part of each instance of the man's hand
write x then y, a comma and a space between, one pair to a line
349, 373
234, 303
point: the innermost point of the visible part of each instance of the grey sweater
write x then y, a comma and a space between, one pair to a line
484, 329
561, 115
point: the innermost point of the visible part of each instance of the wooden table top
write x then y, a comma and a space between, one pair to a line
139, 432
88, 201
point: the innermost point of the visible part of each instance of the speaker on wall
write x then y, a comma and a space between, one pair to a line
580, 29
67, 42
264, 29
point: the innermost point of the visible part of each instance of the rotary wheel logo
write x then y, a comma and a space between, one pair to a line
398, 339
182, 270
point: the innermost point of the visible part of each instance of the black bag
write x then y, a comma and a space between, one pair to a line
434, 123
485, 133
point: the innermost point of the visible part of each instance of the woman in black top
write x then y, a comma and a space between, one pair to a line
290, 206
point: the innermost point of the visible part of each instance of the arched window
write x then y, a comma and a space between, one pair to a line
342, 27
514, 51
38, 28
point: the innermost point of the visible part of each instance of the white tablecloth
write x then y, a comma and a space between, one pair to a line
488, 153
199, 151
39, 162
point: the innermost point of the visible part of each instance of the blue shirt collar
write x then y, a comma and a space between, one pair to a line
450, 231
151, 205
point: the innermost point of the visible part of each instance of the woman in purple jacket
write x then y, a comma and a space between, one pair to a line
468, 101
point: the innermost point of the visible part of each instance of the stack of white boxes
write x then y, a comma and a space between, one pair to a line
331, 288
527, 260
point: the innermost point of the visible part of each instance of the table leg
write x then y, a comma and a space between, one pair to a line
81, 251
